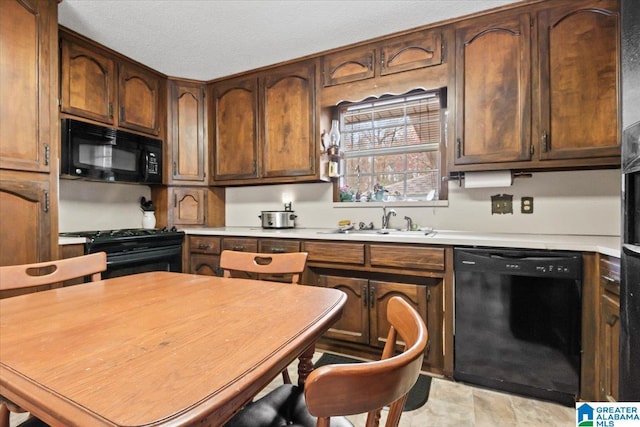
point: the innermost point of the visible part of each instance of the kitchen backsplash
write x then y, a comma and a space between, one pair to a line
573, 202
86, 205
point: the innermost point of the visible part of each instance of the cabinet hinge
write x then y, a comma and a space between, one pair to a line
46, 200
545, 141
372, 296
532, 148
365, 296
175, 200
428, 295
175, 169
382, 58
458, 148
47, 154
111, 110
531, 21
255, 166
121, 114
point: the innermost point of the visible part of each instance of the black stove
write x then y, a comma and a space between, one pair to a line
134, 250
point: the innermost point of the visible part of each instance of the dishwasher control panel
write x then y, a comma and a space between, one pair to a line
540, 263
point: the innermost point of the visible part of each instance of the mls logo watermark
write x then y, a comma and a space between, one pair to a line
616, 414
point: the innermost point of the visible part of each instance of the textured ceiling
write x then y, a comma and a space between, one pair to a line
207, 39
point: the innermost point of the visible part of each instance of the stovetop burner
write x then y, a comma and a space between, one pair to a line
123, 233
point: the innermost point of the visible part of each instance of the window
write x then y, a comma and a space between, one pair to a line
391, 148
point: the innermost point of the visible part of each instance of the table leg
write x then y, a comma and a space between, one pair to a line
305, 365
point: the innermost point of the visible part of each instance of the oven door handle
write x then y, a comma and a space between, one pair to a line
131, 257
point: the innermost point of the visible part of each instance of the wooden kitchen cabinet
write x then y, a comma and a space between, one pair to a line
187, 141
29, 223
100, 85
364, 318
609, 347
29, 132
409, 52
234, 129
138, 99
264, 126
204, 255
188, 207
493, 85
88, 82
578, 73
289, 121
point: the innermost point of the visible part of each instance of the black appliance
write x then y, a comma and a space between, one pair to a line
134, 250
629, 374
517, 321
101, 153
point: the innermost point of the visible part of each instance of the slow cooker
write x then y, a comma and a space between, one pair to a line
278, 219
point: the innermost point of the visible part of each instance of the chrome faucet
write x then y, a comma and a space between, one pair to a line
409, 223
386, 215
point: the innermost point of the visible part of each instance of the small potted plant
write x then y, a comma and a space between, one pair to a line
346, 193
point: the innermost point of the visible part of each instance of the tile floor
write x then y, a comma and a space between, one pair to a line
459, 405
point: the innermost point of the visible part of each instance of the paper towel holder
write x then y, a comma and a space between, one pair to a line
459, 176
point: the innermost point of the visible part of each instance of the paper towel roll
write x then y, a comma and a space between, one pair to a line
487, 179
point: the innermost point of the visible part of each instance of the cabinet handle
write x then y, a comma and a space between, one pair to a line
45, 206
175, 200
47, 154
612, 320
545, 141
238, 248
365, 296
111, 110
609, 279
382, 59
121, 114
278, 251
175, 169
203, 246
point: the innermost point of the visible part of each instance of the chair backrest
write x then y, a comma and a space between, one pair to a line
45, 273
347, 389
264, 263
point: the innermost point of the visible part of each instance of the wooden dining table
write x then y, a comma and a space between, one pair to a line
157, 348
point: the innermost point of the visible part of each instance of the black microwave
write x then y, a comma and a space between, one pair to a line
100, 153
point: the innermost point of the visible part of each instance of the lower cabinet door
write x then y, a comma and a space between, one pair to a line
208, 265
353, 326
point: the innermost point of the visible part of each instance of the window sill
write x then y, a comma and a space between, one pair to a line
417, 204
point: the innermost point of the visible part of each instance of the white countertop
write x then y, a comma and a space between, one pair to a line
607, 245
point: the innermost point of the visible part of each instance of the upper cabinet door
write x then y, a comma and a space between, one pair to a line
88, 82
289, 121
234, 128
493, 91
138, 99
28, 84
417, 50
187, 130
579, 53
348, 66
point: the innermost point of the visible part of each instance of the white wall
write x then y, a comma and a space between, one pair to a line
86, 206
573, 202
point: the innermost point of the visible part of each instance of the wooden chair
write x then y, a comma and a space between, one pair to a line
264, 263
333, 391
26, 276
292, 263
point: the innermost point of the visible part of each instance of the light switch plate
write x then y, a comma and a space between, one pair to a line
501, 204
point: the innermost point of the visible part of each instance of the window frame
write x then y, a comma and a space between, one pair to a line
443, 195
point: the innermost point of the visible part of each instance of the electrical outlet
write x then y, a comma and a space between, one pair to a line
502, 204
526, 205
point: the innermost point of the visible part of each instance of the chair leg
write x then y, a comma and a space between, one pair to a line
285, 377
4, 415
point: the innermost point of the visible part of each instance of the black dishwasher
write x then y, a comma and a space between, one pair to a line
517, 321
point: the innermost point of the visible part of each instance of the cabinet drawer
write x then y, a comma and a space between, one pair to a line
610, 273
204, 244
339, 253
240, 244
407, 257
274, 246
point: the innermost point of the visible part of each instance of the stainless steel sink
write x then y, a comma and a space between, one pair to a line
386, 232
